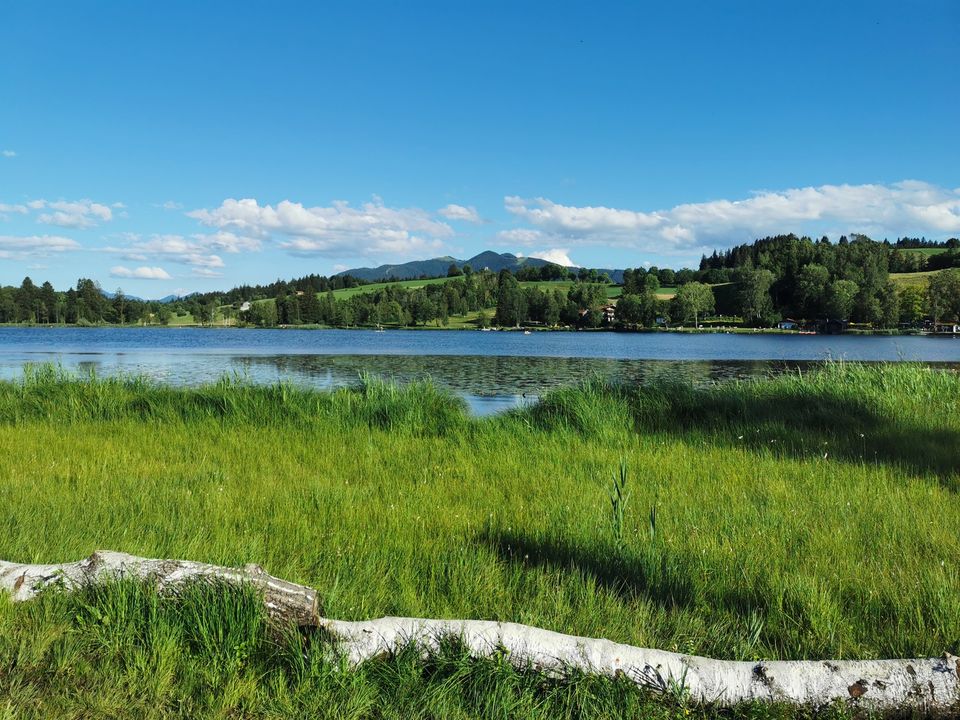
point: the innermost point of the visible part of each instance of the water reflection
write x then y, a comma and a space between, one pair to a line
489, 383
492, 384
493, 371
494, 376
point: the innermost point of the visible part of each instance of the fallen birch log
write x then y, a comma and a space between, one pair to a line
284, 600
927, 685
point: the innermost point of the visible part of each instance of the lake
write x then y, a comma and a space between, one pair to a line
492, 370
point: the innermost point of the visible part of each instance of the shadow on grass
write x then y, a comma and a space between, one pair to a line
648, 570
786, 418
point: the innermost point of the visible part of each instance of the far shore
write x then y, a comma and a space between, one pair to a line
728, 330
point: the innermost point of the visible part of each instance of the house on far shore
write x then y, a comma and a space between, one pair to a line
788, 324
831, 327
947, 328
244, 306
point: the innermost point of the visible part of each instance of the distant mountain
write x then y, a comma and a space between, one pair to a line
164, 300
438, 267
111, 295
615, 276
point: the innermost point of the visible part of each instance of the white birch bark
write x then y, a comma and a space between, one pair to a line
928, 685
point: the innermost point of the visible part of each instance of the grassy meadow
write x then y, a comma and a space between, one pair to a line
803, 516
914, 279
925, 251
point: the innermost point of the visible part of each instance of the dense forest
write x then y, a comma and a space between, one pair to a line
757, 284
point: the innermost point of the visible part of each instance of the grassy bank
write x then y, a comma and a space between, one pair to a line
799, 517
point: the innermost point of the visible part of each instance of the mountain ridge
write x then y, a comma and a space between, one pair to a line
438, 267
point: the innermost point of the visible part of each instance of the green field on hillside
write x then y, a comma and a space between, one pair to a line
374, 287
923, 251
613, 291
809, 516
917, 279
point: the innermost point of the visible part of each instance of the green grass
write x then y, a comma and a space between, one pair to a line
374, 287
924, 251
121, 651
613, 291
804, 516
918, 279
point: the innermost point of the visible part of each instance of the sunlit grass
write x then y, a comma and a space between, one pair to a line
797, 517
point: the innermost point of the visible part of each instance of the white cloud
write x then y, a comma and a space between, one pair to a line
65, 213
206, 272
172, 205
19, 247
228, 242
72, 214
519, 236
8, 153
459, 212
558, 256
140, 273
338, 230
908, 207
195, 251
17, 209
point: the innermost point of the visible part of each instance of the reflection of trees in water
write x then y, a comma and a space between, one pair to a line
497, 375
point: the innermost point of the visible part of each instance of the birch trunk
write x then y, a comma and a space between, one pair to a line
927, 685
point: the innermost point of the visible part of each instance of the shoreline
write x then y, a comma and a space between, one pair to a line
637, 331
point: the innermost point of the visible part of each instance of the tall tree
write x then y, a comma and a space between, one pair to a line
50, 303
811, 289
944, 293
753, 296
841, 296
511, 301
692, 300
119, 306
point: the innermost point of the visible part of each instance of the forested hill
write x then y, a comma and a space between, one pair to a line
800, 277
440, 266
859, 280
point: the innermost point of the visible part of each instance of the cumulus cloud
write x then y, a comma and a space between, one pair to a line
520, 237
334, 231
76, 214
558, 256
72, 214
18, 247
140, 273
461, 213
8, 153
908, 207
5, 210
172, 205
196, 251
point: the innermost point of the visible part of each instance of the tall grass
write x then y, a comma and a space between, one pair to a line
796, 517
123, 651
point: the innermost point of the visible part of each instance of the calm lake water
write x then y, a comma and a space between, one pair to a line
492, 370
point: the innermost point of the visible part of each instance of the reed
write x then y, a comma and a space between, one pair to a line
793, 517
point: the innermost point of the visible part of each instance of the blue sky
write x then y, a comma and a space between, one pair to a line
183, 146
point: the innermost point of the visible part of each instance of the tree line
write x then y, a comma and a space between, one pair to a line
760, 284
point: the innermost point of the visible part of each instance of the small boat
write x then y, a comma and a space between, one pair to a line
526, 332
